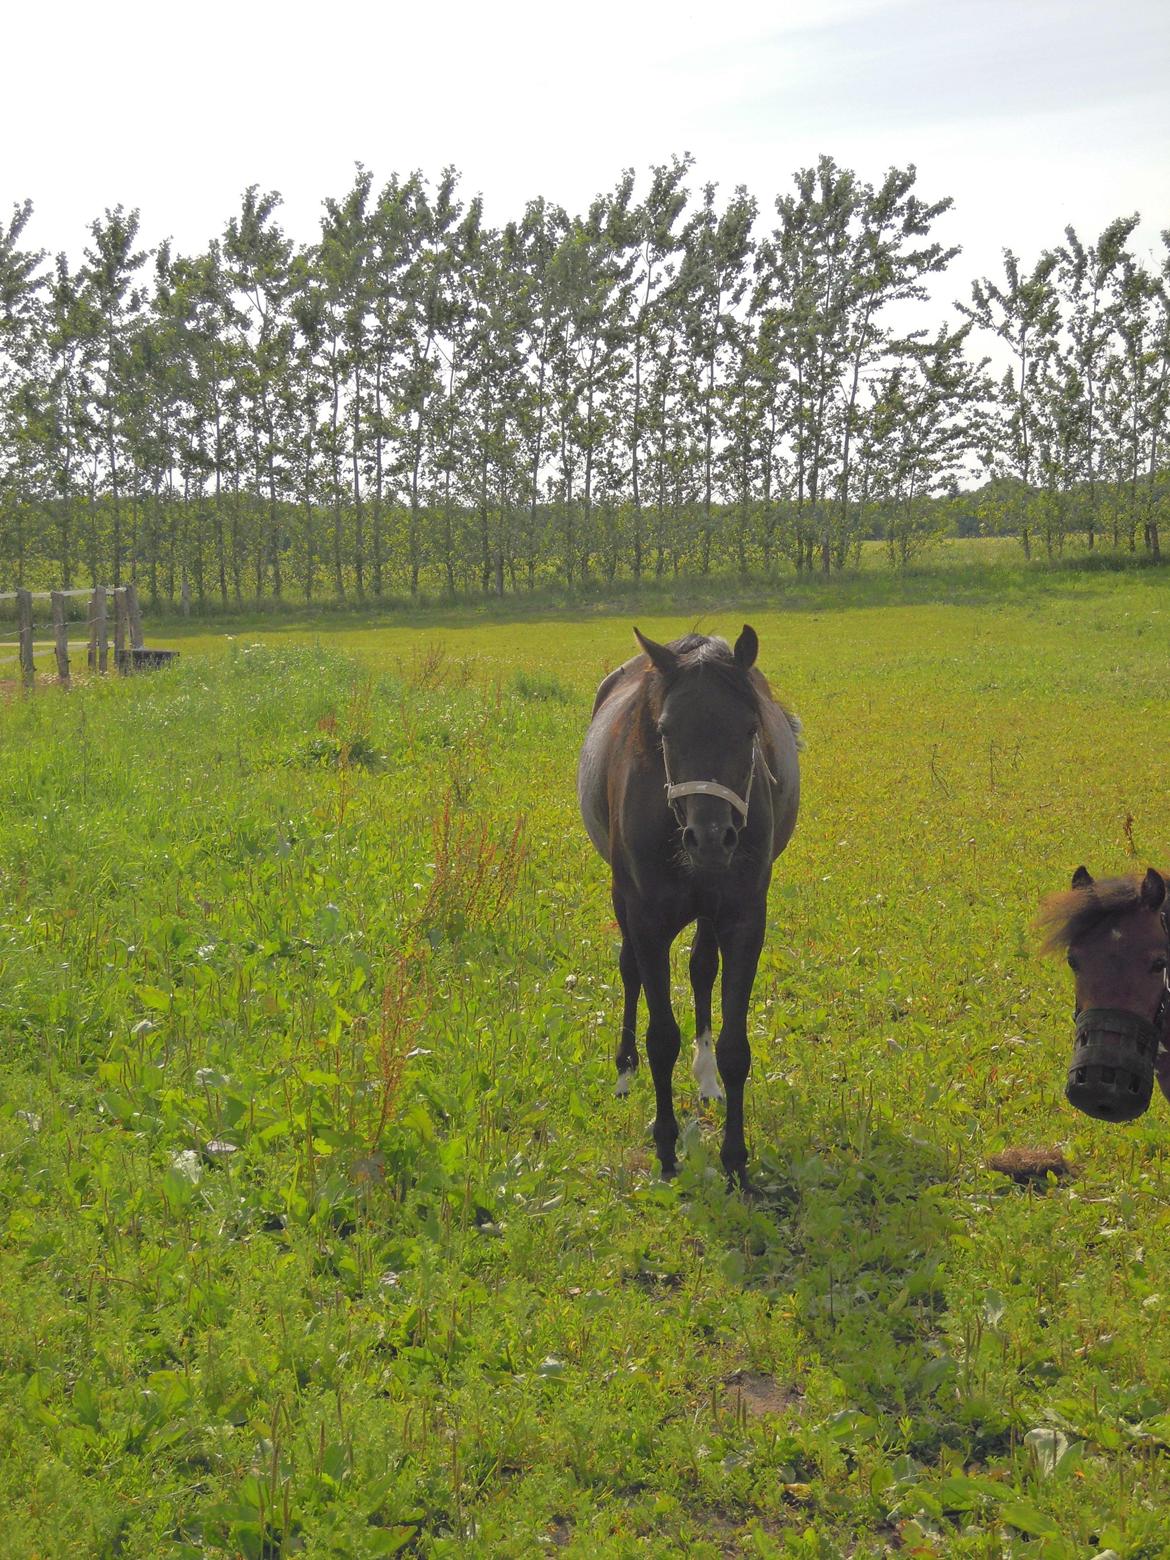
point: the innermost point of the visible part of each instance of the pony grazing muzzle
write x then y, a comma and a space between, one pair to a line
1112, 1072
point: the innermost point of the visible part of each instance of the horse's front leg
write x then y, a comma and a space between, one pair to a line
652, 947
740, 942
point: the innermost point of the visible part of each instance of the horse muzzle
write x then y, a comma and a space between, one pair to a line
1112, 1072
710, 845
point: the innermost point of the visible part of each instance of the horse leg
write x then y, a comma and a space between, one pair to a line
740, 942
704, 968
627, 1056
663, 1039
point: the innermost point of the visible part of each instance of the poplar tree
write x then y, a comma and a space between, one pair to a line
392, 223
343, 264
440, 234
1135, 398
531, 247
1023, 312
717, 247
259, 260
917, 438
801, 290
212, 334
659, 249
890, 256
310, 315
70, 432
22, 409
1085, 276
115, 306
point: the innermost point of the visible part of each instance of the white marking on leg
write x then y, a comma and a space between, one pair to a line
705, 1071
622, 1087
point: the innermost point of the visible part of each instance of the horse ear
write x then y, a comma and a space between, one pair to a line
1153, 889
1082, 878
662, 656
747, 647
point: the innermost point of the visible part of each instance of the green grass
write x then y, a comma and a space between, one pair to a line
322, 1231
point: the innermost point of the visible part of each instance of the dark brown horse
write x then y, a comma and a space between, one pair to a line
689, 784
1114, 932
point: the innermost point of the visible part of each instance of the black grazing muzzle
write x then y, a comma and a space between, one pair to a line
1112, 1072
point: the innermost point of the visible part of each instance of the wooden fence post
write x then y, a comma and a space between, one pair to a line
103, 641
136, 640
24, 620
61, 636
120, 625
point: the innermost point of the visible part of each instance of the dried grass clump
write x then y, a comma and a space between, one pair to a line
1031, 1164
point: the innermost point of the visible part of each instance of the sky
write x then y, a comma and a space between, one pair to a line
1031, 114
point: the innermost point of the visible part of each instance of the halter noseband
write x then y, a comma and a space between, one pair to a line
714, 788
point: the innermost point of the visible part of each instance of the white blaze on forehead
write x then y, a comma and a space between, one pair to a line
1115, 933
705, 1071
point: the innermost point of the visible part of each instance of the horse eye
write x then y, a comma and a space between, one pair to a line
1158, 965
1073, 961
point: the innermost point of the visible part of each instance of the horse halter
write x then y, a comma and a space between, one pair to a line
714, 788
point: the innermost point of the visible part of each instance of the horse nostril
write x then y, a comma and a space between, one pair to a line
729, 838
690, 838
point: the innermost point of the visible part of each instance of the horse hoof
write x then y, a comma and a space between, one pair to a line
622, 1087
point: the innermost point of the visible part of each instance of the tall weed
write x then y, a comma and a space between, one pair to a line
476, 869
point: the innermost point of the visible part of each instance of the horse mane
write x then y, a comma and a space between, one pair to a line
1066, 917
708, 655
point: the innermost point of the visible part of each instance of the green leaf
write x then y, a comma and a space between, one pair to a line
959, 1492
733, 1267
1022, 1514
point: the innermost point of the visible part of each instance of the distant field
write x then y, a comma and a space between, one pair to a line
322, 1231
957, 568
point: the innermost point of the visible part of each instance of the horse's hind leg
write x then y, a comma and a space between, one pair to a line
627, 1054
662, 1035
704, 968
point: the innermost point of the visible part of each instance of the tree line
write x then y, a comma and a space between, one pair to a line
669, 381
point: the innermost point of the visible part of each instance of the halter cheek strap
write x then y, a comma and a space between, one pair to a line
713, 787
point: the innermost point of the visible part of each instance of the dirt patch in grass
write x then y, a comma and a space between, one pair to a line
761, 1394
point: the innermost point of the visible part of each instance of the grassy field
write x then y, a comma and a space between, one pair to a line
323, 1233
